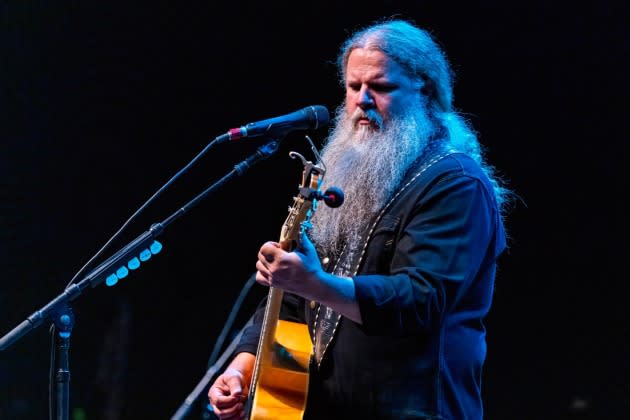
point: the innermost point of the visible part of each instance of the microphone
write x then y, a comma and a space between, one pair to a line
311, 117
333, 197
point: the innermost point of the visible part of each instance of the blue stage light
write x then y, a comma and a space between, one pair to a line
122, 272
145, 255
111, 280
155, 247
133, 263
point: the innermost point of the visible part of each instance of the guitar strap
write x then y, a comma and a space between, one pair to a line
327, 320
347, 265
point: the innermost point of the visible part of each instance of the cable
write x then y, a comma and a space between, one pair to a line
228, 324
215, 361
146, 204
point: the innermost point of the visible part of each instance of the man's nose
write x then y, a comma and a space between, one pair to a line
364, 98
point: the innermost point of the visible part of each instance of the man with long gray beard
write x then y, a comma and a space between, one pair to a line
395, 284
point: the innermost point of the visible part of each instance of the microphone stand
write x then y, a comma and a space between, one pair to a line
63, 322
59, 311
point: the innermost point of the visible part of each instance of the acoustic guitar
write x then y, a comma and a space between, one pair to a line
279, 383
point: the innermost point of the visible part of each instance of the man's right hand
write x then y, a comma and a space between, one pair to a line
228, 393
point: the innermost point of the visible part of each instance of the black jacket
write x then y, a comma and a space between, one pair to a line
424, 284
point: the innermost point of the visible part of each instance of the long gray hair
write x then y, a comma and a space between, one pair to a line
419, 54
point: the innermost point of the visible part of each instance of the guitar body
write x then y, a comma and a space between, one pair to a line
282, 385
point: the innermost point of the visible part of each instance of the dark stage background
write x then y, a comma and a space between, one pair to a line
102, 102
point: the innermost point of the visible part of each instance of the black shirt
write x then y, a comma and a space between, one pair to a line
423, 285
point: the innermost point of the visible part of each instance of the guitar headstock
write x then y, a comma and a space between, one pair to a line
304, 203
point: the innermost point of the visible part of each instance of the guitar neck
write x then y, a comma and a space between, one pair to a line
265, 343
295, 377
270, 321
